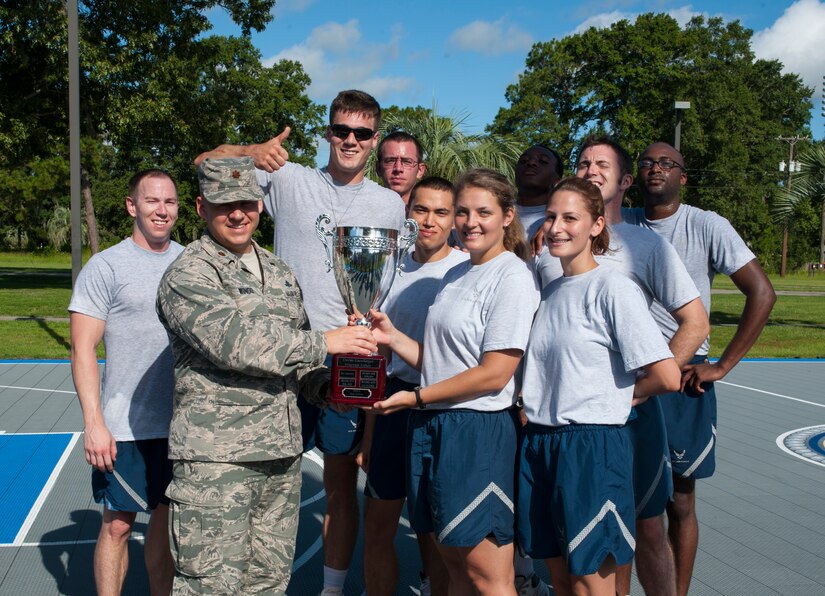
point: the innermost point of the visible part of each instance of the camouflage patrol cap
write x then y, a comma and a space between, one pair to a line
227, 180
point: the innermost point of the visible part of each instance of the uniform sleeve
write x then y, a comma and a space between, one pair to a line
194, 306
93, 291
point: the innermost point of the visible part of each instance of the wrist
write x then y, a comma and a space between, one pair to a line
419, 403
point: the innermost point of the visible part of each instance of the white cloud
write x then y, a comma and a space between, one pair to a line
794, 39
491, 38
335, 57
682, 15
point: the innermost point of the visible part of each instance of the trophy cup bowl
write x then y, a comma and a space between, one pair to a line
364, 261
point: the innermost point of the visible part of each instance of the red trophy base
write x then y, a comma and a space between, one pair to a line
358, 379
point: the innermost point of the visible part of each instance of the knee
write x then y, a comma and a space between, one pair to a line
118, 528
682, 506
650, 532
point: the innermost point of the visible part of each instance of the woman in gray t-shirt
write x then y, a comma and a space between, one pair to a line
462, 437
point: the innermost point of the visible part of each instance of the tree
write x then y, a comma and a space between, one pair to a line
448, 148
623, 80
155, 91
807, 194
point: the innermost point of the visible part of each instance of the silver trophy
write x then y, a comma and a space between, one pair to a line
364, 261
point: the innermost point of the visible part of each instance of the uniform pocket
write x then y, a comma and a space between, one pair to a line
197, 519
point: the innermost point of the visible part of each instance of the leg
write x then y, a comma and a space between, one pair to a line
562, 584
157, 553
112, 551
274, 527
341, 517
601, 583
489, 567
683, 530
623, 573
380, 560
654, 558
434, 568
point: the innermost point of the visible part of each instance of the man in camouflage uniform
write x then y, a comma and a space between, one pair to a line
243, 350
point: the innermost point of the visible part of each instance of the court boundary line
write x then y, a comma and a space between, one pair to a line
810, 403
34, 511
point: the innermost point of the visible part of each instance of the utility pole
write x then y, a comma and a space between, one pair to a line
679, 106
792, 167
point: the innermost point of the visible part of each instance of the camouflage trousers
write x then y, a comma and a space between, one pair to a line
233, 525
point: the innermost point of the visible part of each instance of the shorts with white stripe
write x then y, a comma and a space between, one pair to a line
690, 419
461, 475
652, 478
142, 471
576, 495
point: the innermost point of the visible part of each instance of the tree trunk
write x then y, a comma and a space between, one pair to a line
89, 209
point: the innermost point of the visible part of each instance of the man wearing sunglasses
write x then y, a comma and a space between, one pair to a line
400, 163
294, 196
707, 244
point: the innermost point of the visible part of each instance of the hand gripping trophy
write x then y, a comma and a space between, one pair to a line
364, 261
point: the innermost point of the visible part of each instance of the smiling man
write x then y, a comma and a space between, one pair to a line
126, 425
295, 196
537, 171
242, 347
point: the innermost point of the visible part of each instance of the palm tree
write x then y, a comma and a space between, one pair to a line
448, 148
808, 183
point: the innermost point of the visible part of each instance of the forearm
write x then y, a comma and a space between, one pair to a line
692, 331
224, 151
492, 375
86, 377
406, 348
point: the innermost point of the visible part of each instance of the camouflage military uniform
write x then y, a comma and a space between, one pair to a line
243, 351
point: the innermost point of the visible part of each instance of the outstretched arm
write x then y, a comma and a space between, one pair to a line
269, 156
492, 374
759, 300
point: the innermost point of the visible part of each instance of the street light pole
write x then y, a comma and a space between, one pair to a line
792, 167
677, 137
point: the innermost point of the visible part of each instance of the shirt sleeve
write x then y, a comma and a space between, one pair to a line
94, 290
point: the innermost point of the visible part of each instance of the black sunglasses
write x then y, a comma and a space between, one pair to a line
342, 131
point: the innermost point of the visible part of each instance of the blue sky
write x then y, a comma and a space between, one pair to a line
463, 55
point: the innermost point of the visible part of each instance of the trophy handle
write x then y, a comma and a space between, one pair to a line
325, 236
405, 243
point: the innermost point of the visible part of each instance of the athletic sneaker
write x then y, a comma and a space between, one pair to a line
332, 592
532, 586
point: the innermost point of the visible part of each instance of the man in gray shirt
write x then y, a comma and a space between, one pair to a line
126, 425
295, 196
707, 244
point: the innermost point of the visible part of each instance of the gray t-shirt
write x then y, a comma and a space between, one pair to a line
590, 335
410, 298
119, 286
295, 196
706, 243
646, 258
480, 308
531, 217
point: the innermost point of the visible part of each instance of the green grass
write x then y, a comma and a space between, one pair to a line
33, 285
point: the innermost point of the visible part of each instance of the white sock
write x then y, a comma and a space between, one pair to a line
334, 578
523, 565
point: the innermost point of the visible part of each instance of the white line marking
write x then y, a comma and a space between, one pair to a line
810, 403
36, 389
41, 498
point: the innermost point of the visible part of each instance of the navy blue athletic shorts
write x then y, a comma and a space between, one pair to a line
652, 477
142, 471
575, 495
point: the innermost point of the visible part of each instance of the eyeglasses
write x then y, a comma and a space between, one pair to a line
663, 162
342, 131
407, 163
